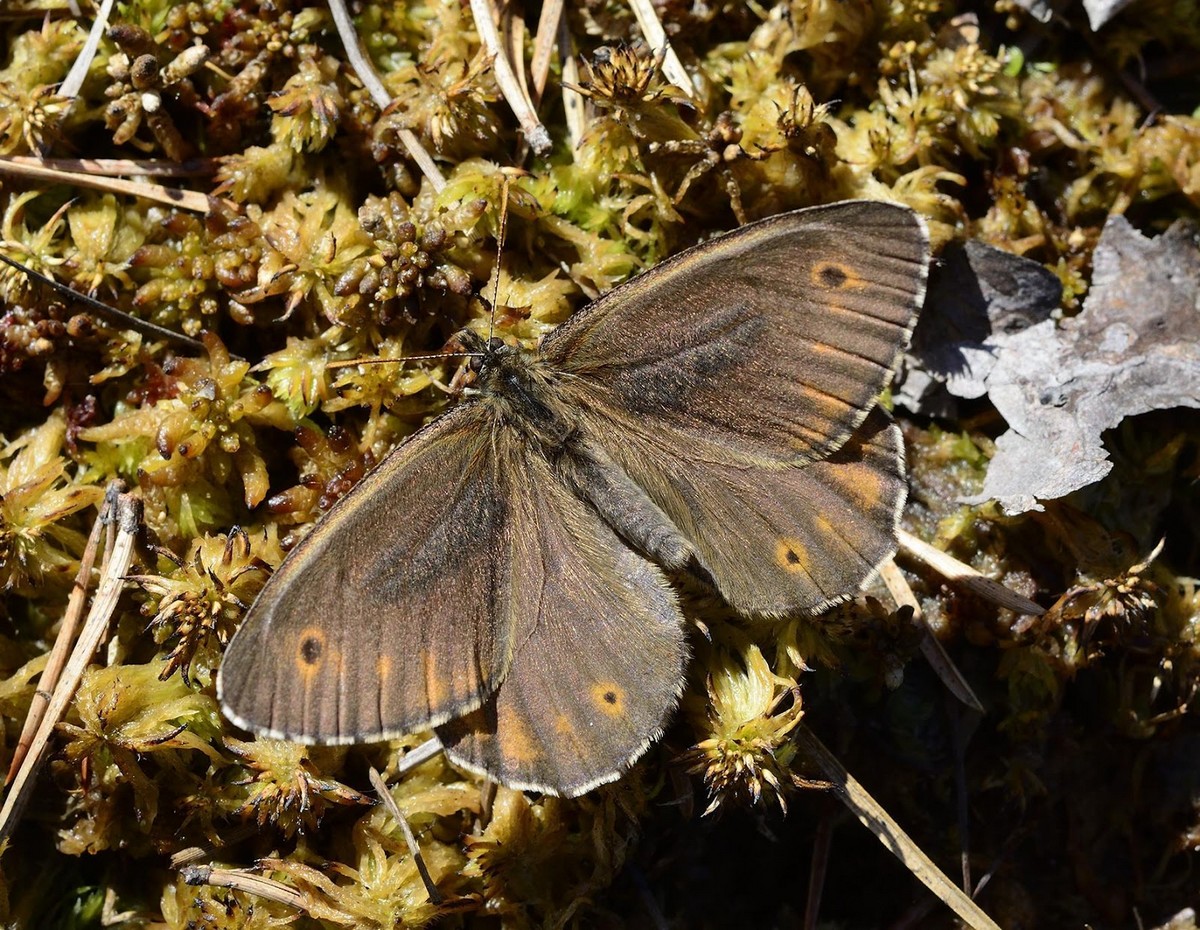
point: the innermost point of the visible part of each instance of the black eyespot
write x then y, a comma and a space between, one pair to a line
832, 276
610, 697
792, 557
310, 650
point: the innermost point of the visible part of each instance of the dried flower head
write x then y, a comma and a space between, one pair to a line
314, 239
447, 100
38, 60
626, 77
539, 860
288, 790
201, 420
749, 715
308, 108
129, 717
40, 249
36, 497
199, 601
1129, 600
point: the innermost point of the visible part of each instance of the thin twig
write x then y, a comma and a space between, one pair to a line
194, 201
573, 101
872, 816
370, 80
931, 647
414, 757
414, 849
114, 316
79, 70
512, 28
66, 635
122, 167
243, 881
957, 572
190, 855
656, 38
535, 133
126, 513
543, 46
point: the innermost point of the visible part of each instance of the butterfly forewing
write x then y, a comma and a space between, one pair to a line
770, 344
395, 614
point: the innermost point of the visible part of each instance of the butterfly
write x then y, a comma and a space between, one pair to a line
502, 576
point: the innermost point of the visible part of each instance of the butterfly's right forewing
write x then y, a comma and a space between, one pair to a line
394, 613
769, 345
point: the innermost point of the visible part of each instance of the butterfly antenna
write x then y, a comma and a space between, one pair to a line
104, 311
501, 235
352, 362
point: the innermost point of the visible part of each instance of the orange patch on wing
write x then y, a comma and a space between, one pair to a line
864, 487
792, 556
564, 725
438, 684
383, 668
516, 739
609, 697
311, 652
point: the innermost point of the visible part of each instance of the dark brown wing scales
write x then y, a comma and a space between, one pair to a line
364, 633
599, 662
776, 540
769, 345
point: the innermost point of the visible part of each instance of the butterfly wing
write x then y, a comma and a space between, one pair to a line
735, 386
774, 540
394, 614
767, 345
599, 659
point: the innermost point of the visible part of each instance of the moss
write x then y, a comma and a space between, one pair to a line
331, 248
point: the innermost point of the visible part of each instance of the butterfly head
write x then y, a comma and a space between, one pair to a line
488, 360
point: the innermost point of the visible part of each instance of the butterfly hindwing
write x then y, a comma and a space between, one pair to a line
774, 540
599, 658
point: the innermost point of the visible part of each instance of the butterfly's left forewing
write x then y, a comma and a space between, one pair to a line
394, 613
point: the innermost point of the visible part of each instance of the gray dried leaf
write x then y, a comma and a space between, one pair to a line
1135, 347
1100, 12
978, 297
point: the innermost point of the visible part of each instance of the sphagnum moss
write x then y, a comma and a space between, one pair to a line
339, 249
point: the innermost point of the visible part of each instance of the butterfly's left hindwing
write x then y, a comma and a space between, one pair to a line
599, 658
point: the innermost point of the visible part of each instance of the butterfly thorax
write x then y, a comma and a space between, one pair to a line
519, 388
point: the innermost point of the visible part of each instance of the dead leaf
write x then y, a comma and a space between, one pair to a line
979, 296
1135, 347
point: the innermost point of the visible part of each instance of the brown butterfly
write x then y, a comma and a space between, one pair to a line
500, 576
